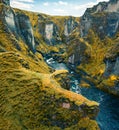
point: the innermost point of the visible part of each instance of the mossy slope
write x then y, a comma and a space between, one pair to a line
33, 100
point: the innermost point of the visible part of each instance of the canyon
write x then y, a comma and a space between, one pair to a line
35, 95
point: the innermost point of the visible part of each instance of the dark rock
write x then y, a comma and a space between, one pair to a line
6, 2
112, 61
102, 18
26, 31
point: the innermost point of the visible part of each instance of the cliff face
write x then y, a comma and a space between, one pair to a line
37, 27
112, 61
102, 18
19, 25
111, 6
24, 28
111, 74
93, 47
6, 2
38, 30
98, 24
55, 30
78, 50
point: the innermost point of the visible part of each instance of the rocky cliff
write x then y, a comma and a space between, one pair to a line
102, 18
31, 98
112, 61
93, 47
100, 27
55, 30
18, 25
6, 2
112, 69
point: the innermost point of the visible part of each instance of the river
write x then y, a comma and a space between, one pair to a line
108, 117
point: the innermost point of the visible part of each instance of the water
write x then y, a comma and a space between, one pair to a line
108, 117
56, 65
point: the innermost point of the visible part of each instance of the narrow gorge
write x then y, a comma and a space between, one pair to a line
59, 72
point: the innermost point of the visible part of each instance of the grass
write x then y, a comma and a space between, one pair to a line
33, 100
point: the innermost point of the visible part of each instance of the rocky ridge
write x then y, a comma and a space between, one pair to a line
102, 18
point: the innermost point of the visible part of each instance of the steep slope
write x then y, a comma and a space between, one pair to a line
102, 19
112, 69
32, 100
98, 31
51, 30
101, 27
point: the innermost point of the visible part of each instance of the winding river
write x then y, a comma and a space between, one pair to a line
108, 117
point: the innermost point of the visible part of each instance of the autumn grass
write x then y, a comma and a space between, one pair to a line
31, 99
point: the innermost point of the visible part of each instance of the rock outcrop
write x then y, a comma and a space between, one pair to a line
111, 6
112, 61
19, 25
56, 30
24, 28
6, 2
110, 82
102, 18
70, 25
79, 51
